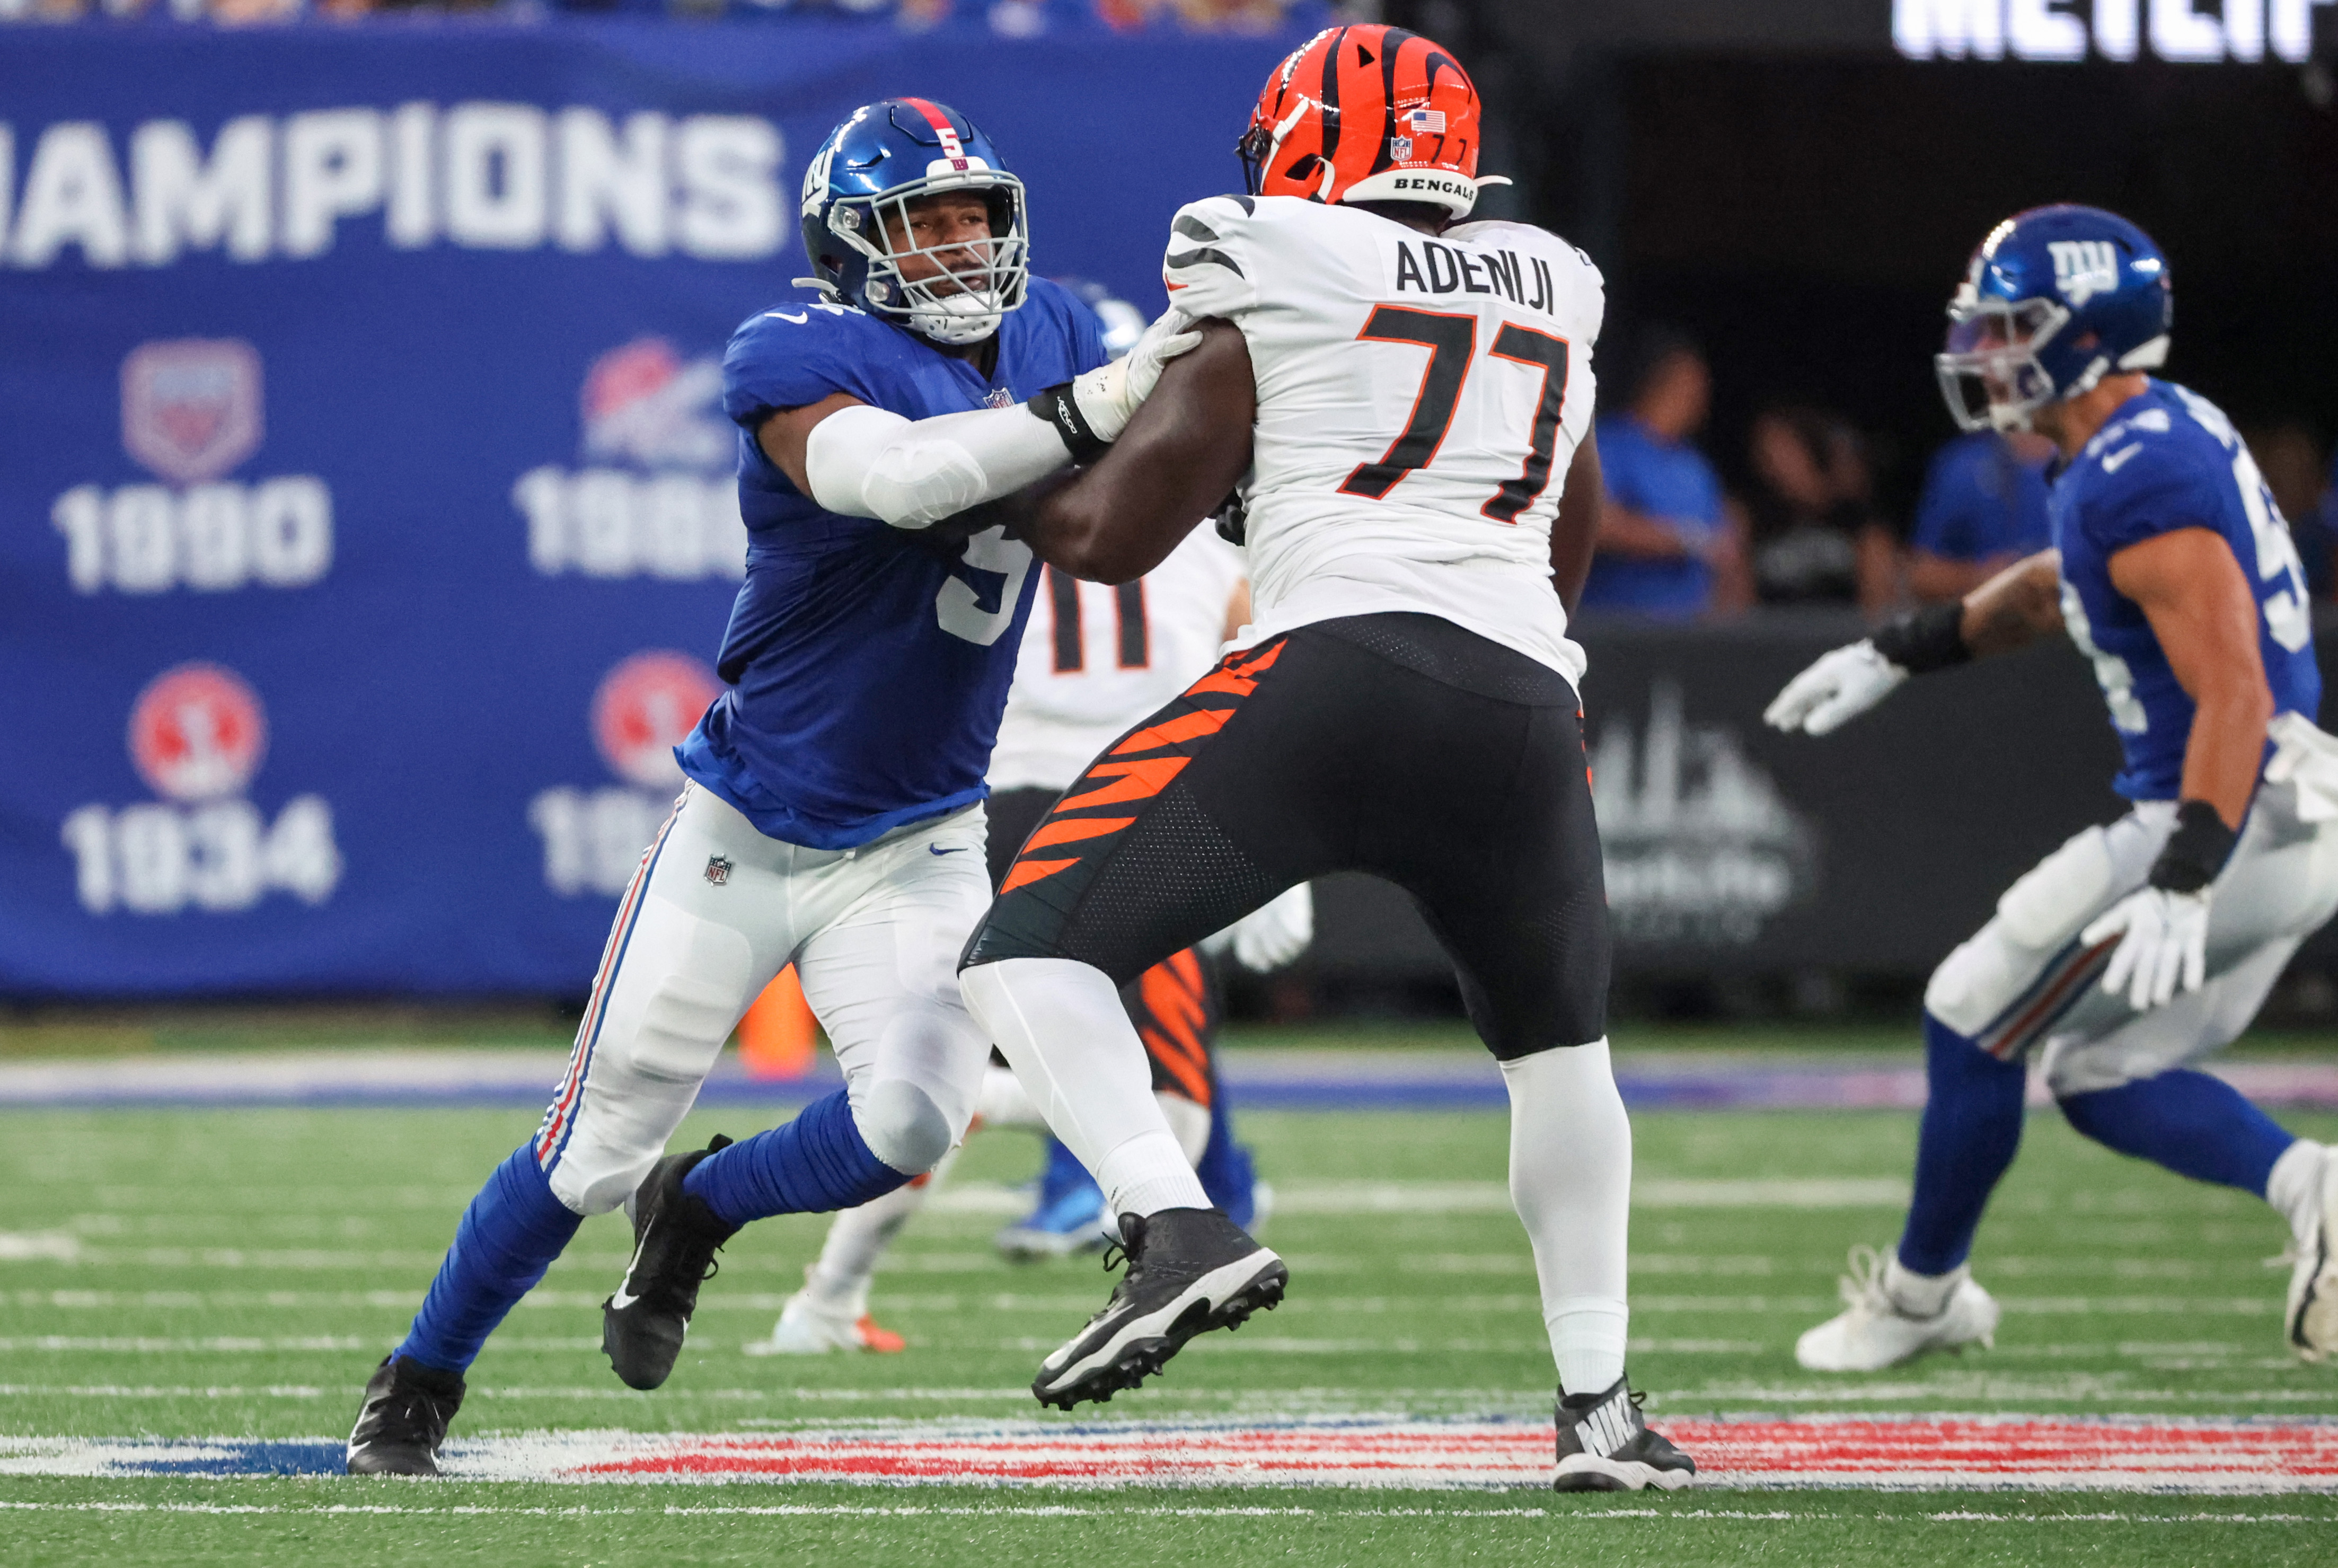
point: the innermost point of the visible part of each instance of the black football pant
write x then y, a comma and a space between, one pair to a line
1397, 745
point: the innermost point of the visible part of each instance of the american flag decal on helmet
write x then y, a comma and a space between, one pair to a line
1425, 122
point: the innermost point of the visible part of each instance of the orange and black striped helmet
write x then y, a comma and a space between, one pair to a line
1366, 114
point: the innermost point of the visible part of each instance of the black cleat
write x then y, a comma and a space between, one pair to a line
404, 1418
675, 1236
1604, 1446
1190, 1270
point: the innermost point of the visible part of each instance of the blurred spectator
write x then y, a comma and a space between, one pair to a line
1984, 508
2291, 461
1816, 537
1668, 543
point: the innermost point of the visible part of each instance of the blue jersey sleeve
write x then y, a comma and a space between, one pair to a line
791, 355
2151, 485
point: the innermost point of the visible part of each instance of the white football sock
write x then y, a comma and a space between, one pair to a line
1061, 1023
1571, 1183
1003, 1103
1189, 1121
1921, 1295
2294, 1188
857, 1238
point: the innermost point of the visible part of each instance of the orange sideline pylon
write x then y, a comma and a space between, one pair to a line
779, 1036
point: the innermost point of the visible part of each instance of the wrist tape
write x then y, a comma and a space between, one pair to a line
2196, 851
1060, 408
1921, 641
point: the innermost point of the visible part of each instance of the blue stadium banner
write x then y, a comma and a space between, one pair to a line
367, 524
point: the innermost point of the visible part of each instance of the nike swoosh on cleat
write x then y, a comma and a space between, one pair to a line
621, 1300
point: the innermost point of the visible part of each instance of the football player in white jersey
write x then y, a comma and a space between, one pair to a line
1404, 400
1095, 659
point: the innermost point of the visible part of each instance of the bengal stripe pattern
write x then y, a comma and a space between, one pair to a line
560, 1120
1109, 797
1359, 100
1174, 1022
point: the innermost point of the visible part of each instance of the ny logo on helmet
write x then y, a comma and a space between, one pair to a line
2084, 268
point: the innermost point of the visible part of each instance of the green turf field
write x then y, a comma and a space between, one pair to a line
237, 1273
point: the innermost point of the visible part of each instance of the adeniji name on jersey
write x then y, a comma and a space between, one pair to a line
1097, 659
1420, 398
2169, 459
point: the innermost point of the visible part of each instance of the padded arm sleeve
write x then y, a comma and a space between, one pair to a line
863, 462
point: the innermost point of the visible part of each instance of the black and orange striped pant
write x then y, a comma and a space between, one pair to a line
1174, 1004
1400, 745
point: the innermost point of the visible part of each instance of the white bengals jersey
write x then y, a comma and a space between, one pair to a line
1418, 401
1095, 659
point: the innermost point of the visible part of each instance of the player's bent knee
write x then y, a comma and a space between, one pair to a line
903, 1127
1973, 985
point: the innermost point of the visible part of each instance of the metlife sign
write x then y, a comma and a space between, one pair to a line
2181, 32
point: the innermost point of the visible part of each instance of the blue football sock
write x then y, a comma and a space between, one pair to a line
2194, 1125
813, 1164
1225, 1170
1971, 1127
509, 1236
1063, 1173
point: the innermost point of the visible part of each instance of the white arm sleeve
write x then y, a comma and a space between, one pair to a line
864, 462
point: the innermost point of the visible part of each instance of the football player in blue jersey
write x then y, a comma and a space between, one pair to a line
832, 815
2134, 949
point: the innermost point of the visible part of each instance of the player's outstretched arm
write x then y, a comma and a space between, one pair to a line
1187, 445
1575, 532
861, 462
2009, 611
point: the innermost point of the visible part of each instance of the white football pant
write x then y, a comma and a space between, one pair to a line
714, 912
2024, 979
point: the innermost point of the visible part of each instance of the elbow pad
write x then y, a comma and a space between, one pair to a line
863, 462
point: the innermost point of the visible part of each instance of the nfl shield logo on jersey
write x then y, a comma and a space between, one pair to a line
718, 869
191, 408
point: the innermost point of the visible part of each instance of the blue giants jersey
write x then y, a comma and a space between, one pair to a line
2169, 459
868, 665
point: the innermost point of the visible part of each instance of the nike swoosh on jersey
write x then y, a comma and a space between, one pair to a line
2113, 461
937, 849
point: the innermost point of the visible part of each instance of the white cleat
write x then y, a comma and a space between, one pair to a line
805, 1329
1874, 1332
2311, 1321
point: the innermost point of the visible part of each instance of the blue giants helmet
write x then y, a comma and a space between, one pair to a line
2056, 298
856, 220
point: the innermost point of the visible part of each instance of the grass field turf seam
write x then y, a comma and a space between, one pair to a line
2079, 1230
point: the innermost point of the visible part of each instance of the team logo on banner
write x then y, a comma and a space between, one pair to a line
643, 710
198, 732
191, 408
645, 404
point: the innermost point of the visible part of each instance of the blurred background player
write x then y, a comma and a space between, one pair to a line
1405, 401
1095, 659
832, 816
2136, 949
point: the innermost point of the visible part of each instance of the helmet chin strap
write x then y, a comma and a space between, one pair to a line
955, 320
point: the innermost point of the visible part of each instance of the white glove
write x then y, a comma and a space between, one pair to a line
1109, 394
1270, 936
1837, 688
2166, 938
